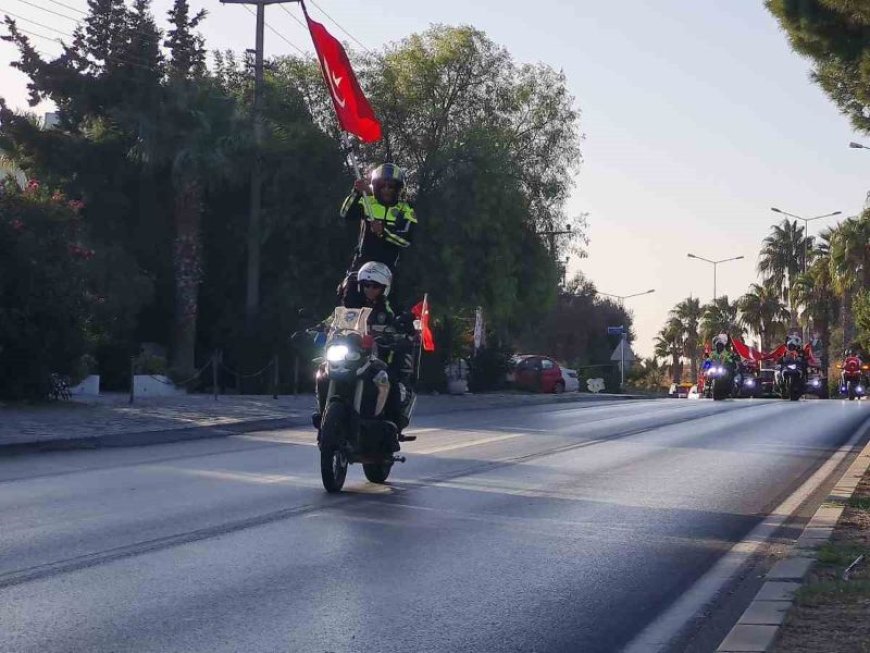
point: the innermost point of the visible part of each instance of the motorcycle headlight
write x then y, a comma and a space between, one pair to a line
750, 383
792, 367
337, 353
860, 388
815, 383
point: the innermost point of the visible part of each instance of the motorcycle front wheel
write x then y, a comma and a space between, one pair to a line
333, 462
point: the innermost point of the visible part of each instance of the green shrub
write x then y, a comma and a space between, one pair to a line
45, 303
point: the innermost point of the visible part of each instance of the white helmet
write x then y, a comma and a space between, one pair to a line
794, 341
375, 272
721, 338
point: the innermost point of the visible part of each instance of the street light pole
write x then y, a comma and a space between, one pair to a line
806, 222
858, 146
622, 340
715, 265
252, 286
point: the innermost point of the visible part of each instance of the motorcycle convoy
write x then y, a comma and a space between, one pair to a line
795, 373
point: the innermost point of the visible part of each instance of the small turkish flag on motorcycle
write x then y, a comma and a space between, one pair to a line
355, 114
421, 312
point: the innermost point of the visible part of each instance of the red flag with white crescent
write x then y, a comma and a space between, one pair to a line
421, 312
355, 114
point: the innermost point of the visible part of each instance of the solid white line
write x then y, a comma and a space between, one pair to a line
657, 635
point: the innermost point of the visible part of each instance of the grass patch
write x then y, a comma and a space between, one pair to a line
826, 591
840, 555
860, 502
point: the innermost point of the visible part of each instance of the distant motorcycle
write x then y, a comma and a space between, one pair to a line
851, 380
719, 380
792, 378
353, 386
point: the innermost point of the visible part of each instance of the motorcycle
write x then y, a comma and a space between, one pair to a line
851, 379
747, 384
817, 384
719, 381
792, 379
353, 386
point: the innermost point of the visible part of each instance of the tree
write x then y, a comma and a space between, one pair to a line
814, 292
763, 311
689, 313
850, 265
720, 316
45, 325
670, 343
492, 146
780, 260
862, 319
833, 35
649, 375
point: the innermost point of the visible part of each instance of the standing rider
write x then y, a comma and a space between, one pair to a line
386, 221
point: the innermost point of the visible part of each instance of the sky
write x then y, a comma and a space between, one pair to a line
697, 115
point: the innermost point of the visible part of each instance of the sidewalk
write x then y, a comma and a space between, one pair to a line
109, 420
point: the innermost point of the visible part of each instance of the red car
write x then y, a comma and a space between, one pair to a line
538, 374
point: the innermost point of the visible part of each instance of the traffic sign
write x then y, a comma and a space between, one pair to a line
615, 330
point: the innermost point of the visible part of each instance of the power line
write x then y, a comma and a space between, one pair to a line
111, 57
289, 13
75, 9
276, 32
50, 11
338, 25
28, 20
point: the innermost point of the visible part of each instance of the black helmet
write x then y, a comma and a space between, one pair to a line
387, 172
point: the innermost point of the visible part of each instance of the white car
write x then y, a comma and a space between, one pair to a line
572, 383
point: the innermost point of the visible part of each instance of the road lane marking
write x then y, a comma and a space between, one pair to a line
465, 444
659, 634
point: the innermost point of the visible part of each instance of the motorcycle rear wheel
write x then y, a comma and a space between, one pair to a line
377, 472
333, 462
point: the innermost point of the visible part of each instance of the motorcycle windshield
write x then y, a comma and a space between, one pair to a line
350, 320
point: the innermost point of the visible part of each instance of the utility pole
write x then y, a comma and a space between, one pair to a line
252, 297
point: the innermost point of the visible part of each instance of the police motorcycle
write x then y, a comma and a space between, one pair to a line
747, 382
353, 387
852, 382
719, 380
792, 372
720, 376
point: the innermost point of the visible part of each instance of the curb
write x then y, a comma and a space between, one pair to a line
756, 630
184, 433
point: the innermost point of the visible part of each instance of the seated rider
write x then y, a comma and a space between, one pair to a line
374, 281
722, 352
852, 364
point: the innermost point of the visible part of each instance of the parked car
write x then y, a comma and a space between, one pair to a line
572, 381
766, 378
679, 390
538, 374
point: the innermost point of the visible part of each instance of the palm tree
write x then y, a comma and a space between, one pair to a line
201, 137
763, 311
780, 260
670, 343
720, 316
850, 265
814, 292
689, 313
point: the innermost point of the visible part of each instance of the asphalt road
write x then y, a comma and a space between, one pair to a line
546, 528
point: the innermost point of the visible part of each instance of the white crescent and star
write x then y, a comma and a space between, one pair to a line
334, 83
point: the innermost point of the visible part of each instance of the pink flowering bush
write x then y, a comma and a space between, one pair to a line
45, 305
